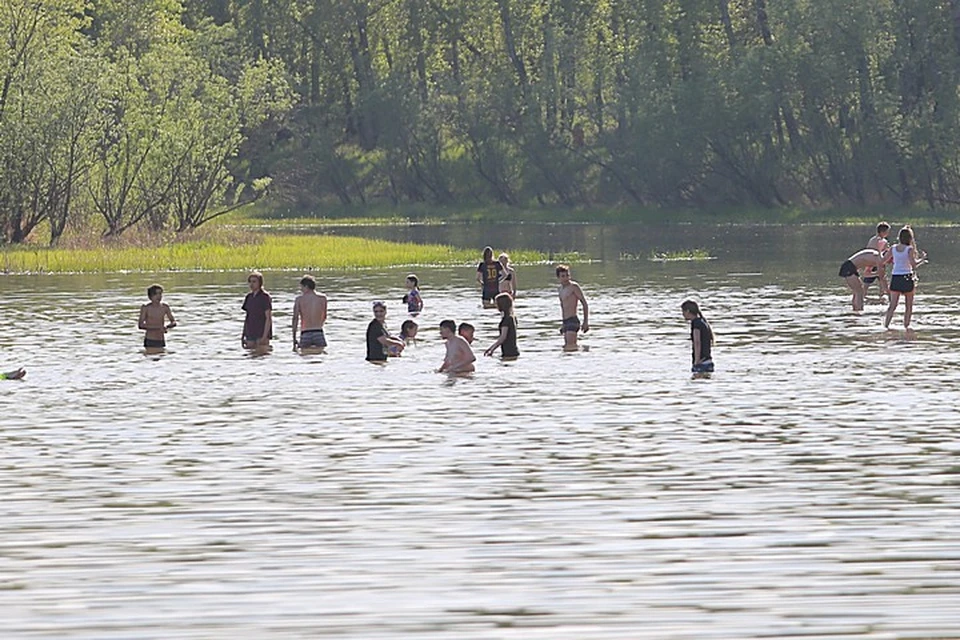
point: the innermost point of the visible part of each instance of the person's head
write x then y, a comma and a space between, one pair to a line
563, 273
488, 254
466, 331
307, 282
905, 236
690, 310
448, 328
504, 303
255, 280
155, 292
409, 329
379, 310
504, 259
412, 282
883, 229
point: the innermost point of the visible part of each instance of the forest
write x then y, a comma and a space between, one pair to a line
165, 114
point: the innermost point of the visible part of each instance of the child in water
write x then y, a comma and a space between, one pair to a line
701, 335
16, 374
412, 298
408, 331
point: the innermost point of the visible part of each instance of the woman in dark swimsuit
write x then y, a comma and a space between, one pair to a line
508, 281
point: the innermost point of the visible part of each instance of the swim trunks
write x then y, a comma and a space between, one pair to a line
902, 283
869, 279
313, 338
704, 367
571, 324
154, 344
848, 269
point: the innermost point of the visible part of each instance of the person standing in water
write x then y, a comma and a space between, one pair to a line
508, 281
701, 335
258, 324
879, 243
902, 281
489, 273
850, 272
570, 296
379, 342
459, 357
152, 316
310, 312
412, 298
508, 330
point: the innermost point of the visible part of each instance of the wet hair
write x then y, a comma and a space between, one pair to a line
562, 268
308, 282
450, 325
406, 326
379, 304
153, 290
504, 303
257, 275
416, 281
487, 254
465, 326
690, 306
905, 236
883, 226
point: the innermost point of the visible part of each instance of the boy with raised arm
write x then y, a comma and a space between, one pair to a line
152, 316
459, 358
880, 244
570, 296
310, 312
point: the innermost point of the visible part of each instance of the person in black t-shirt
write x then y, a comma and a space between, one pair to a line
508, 330
702, 337
489, 273
378, 340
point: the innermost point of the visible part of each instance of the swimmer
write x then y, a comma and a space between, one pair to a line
850, 272
408, 332
906, 259
701, 335
258, 323
489, 273
466, 330
881, 244
412, 299
310, 312
459, 357
508, 281
16, 374
378, 340
508, 330
152, 316
570, 295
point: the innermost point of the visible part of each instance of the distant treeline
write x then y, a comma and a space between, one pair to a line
169, 112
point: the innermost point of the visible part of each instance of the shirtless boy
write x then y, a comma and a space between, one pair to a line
570, 295
310, 312
880, 243
850, 272
459, 358
466, 330
152, 316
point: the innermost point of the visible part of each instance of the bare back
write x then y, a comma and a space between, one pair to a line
459, 358
313, 310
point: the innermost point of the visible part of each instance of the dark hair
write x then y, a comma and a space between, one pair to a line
905, 236
258, 276
504, 303
465, 326
308, 282
691, 306
883, 226
450, 325
405, 328
562, 268
416, 281
381, 304
487, 254
153, 290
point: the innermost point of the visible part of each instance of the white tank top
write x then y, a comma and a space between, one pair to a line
901, 259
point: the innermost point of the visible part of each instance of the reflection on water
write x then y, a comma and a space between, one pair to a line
809, 489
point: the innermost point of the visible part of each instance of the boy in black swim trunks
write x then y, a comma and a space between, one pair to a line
570, 295
850, 272
880, 243
151, 319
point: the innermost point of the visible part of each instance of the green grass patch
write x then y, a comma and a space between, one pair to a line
679, 256
275, 252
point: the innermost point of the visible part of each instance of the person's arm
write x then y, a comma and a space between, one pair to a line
169, 314
585, 325
696, 346
323, 310
267, 327
387, 341
503, 338
480, 274
513, 284
296, 319
463, 356
142, 323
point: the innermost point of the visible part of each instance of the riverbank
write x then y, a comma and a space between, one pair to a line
275, 252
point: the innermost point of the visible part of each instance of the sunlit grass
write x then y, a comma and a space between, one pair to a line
268, 252
681, 255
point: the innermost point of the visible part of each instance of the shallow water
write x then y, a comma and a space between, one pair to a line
809, 489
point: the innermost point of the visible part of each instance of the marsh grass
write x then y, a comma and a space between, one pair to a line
232, 250
679, 256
